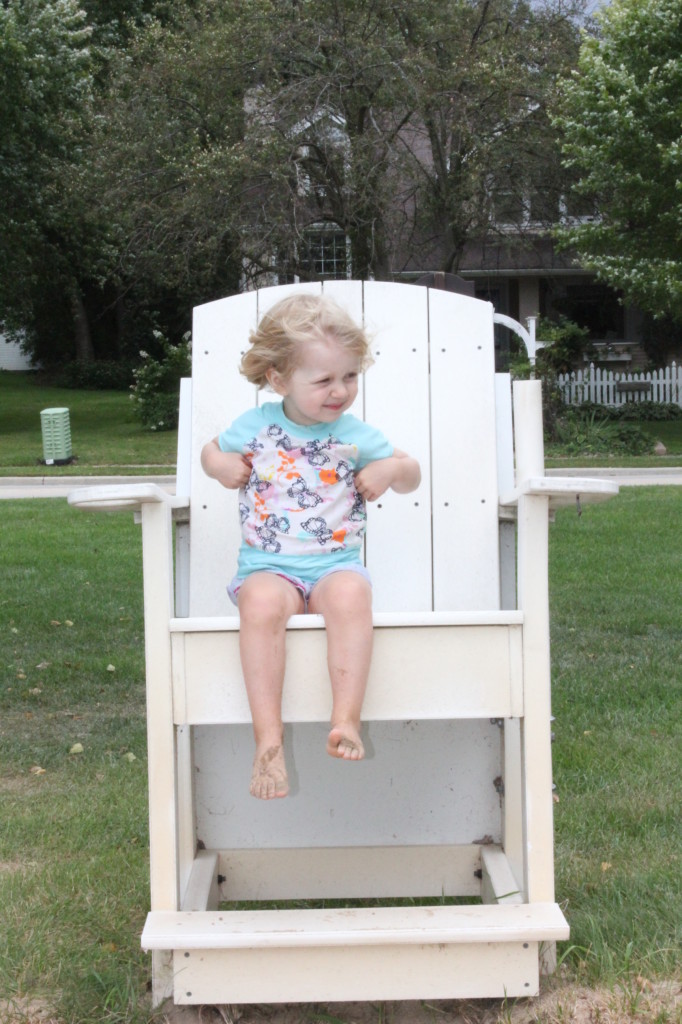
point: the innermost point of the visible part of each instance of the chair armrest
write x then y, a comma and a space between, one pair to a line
562, 490
124, 496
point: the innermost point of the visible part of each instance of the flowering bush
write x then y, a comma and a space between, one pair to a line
156, 390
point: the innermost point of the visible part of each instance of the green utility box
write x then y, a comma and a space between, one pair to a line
56, 436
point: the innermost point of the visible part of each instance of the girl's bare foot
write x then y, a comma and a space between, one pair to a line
269, 776
344, 741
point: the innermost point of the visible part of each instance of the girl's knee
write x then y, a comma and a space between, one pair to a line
347, 592
265, 599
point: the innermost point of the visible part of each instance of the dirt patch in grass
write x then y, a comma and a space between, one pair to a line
657, 1002
27, 1010
633, 1000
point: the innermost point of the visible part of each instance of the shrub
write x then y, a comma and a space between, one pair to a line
589, 432
642, 412
647, 411
156, 389
98, 376
565, 344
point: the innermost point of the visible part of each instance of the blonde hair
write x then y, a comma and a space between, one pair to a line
292, 323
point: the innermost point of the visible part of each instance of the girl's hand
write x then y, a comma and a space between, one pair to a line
231, 469
399, 471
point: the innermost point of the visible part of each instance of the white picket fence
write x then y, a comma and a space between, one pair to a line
607, 387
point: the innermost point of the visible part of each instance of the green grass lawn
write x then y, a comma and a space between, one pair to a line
106, 435
667, 431
73, 832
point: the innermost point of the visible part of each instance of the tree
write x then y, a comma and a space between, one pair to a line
409, 124
332, 101
45, 92
168, 166
483, 152
621, 116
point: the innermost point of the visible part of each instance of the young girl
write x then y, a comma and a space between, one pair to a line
304, 468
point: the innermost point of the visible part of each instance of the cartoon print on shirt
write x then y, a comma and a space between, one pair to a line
319, 529
278, 435
304, 496
314, 452
255, 481
345, 472
254, 446
268, 533
358, 513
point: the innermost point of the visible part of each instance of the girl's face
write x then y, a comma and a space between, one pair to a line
323, 385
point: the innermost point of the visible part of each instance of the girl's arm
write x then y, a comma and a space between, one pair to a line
231, 469
399, 471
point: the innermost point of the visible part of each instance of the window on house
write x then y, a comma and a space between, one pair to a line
544, 206
508, 208
592, 305
324, 253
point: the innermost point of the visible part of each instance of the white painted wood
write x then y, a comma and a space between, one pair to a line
382, 620
202, 891
464, 456
347, 872
504, 432
123, 497
183, 488
184, 773
470, 672
399, 550
422, 783
498, 884
163, 796
220, 337
183, 471
563, 491
512, 806
157, 565
357, 973
366, 926
268, 297
533, 557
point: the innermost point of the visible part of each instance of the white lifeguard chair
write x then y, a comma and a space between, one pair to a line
455, 796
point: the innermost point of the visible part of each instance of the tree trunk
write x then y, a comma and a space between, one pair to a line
85, 352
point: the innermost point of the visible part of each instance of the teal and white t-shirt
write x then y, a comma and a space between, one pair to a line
300, 502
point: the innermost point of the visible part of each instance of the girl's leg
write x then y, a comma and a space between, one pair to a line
345, 601
266, 602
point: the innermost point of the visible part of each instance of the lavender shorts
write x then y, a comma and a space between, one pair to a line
305, 586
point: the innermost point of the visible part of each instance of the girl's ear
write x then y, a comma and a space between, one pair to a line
276, 381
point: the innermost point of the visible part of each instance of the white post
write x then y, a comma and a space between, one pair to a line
533, 524
157, 561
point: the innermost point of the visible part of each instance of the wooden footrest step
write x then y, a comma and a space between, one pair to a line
355, 954
259, 929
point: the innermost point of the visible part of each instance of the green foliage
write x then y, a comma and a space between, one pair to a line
635, 411
156, 390
621, 117
102, 375
661, 339
46, 88
565, 343
170, 151
578, 432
